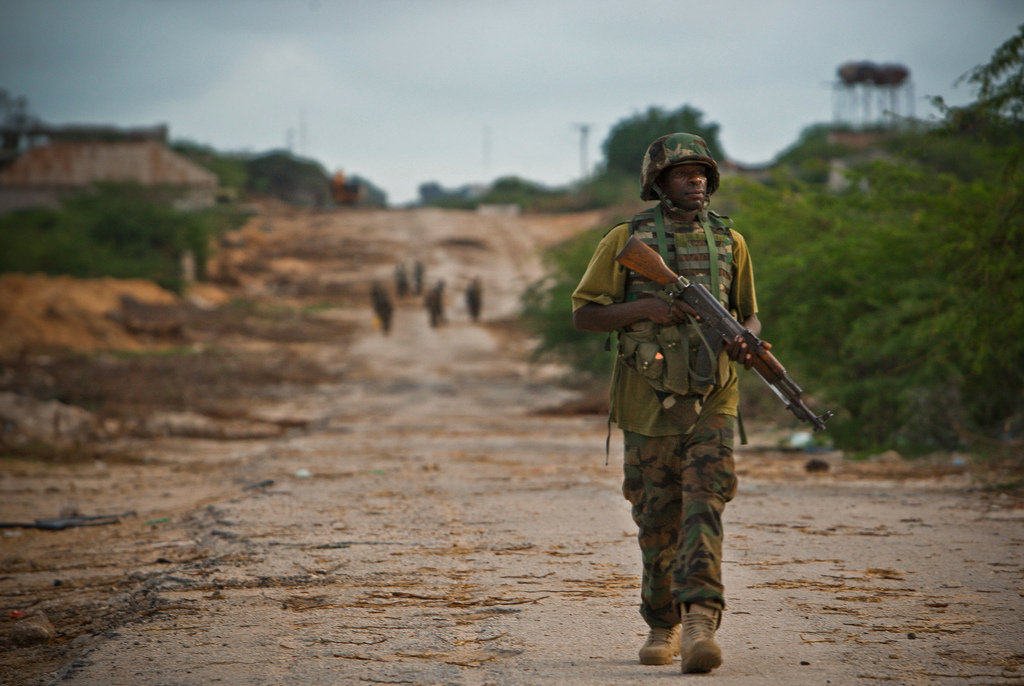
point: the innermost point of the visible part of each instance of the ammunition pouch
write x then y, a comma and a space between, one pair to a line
683, 364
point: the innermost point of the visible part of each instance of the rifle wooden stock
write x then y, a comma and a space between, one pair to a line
639, 257
642, 259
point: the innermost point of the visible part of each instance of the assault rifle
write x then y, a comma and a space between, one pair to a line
646, 262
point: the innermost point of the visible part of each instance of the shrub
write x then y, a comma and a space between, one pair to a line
124, 231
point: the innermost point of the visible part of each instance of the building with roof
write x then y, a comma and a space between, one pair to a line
50, 163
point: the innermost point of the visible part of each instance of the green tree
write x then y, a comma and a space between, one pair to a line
548, 312
372, 195
229, 168
999, 102
292, 179
628, 140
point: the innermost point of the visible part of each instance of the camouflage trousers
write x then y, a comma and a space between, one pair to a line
678, 486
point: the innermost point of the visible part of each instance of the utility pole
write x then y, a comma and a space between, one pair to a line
584, 130
487, 151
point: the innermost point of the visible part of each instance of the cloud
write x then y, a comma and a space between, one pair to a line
456, 91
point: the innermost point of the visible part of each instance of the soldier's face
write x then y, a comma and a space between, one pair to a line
686, 185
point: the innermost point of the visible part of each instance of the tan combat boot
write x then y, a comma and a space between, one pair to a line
662, 645
699, 651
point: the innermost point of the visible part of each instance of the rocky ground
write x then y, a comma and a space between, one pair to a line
297, 497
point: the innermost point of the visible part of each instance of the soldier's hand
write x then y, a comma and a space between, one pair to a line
659, 311
738, 351
680, 310
664, 313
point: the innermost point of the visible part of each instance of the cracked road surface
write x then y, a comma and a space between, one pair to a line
427, 522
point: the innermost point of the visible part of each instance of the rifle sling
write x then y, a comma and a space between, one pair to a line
660, 235
712, 259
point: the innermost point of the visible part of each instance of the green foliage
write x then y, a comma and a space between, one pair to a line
1001, 82
957, 154
902, 303
807, 159
899, 306
547, 308
125, 231
514, 190
372, 195
813, 144
528, 195
277, 173
608, 189
628, 140
896, 302
229, 168
999, 104
291, 179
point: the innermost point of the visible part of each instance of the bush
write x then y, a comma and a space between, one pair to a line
124, 231
294, 180
900, 303
229, 168
547, 308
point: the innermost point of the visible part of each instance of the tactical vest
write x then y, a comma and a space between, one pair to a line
686, 252
683, 360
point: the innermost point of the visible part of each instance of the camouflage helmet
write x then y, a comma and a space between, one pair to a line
673, 149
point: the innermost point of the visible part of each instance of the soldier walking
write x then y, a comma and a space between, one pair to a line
382, 306
417, 277
434, 301
474, 298
401, 281
674, 394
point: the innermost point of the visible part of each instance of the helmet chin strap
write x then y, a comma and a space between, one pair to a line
664, 198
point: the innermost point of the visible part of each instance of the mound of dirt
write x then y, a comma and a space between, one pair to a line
43, 313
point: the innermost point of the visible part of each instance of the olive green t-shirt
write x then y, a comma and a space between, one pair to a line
634, 405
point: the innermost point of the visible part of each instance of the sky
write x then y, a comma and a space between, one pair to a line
405, 92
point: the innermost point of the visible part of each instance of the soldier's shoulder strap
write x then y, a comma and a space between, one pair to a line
719, 220
640, 218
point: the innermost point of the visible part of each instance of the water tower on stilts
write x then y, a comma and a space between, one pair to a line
871, 95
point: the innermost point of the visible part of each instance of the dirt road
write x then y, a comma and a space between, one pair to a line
415, 516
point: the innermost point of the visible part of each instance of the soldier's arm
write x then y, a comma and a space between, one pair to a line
603, 318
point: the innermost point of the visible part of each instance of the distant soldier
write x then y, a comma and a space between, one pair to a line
382, 306
474, 298
417, 277
434, 301
401, 281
